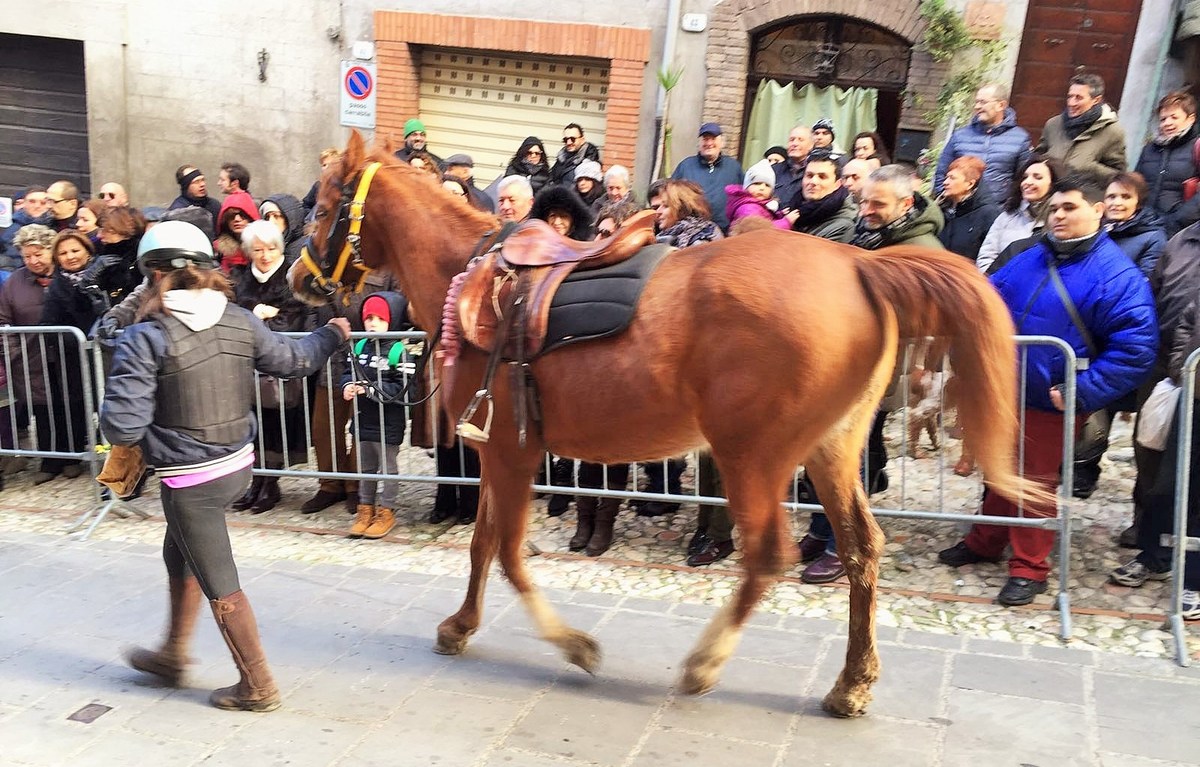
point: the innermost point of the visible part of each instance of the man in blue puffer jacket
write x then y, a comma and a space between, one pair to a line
994, 137
1114, 303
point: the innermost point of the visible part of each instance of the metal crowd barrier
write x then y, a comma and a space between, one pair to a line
300, 452
59, 406
1179, 540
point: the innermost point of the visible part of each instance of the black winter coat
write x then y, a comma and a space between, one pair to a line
384, 380
1165, 168
249, 292
967, 223
1142, 238
539, 174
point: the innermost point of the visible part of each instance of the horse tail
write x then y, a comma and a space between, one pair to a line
936, 293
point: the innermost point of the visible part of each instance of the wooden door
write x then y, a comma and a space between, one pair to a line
1061, 35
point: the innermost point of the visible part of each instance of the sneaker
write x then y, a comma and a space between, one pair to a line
1134, 574
1191, 605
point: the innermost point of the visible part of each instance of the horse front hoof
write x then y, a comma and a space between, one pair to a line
846, 705
582, 650
450, 641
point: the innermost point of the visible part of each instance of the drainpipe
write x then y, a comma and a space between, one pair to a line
1160, 66
668, 58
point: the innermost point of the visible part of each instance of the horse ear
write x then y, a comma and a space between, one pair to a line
389, 145
355, 152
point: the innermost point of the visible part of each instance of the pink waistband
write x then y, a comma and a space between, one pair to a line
208, 475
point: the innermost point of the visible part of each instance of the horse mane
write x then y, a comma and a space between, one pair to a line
439, 203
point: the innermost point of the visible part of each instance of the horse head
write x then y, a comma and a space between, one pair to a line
331, 264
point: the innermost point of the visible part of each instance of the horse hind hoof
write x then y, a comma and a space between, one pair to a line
845, 706
581, 649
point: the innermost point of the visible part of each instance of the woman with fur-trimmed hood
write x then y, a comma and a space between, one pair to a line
237, 211
565, 211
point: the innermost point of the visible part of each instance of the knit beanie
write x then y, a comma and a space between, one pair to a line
759, 172
377, 306
824, 124
589, 169
413, 125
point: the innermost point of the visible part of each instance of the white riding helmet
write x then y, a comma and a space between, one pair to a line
174, 245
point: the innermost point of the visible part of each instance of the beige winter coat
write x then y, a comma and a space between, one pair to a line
1099, 150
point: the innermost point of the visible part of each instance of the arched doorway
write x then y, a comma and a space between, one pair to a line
867, 64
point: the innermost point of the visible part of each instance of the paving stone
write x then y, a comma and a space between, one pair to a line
511, 757
681, 749
927, 639
1020, 677
779, 647
1159, 667
117, 747
820, 737
753, 701
1068, 655
599, 721
1148, 717
994, 647
990, 729
435, 727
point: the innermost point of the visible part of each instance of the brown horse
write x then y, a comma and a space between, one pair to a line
770, 349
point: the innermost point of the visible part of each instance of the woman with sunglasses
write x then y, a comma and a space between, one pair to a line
530, 162
237, 211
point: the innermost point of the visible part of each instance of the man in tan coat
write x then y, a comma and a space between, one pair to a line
1086, 136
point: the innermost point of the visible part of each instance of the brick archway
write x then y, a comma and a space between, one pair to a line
734, 22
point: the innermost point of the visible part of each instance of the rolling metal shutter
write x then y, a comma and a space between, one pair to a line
485, 104
43, 113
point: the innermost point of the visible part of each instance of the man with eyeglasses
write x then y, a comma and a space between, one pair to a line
63, 197
994, 137
114, 195
575, 150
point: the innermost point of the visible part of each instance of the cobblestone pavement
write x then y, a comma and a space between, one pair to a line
647, 557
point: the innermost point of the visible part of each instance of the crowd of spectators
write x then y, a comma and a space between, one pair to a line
1080, 246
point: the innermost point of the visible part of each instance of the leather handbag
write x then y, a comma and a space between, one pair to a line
280, 393
1190, 185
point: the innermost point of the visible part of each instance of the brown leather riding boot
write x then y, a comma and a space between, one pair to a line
602, 536
256, 690
585, 510
170, 661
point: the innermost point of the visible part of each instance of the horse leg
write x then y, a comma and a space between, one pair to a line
453, 632
509, 512
834, 470
755, 498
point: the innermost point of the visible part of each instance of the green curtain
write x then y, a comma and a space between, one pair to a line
779, 108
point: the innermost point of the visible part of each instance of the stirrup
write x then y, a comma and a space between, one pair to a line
467, 430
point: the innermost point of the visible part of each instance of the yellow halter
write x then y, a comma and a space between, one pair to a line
352, 212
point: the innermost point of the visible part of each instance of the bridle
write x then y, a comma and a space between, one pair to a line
328, 279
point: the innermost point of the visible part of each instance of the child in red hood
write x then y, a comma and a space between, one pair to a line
237, 211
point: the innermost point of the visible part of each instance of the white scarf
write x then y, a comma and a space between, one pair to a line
264, 276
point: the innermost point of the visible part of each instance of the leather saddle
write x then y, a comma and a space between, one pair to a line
504, 303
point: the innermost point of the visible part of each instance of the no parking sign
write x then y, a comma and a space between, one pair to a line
358, 94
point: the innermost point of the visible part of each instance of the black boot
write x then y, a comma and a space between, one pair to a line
267, 497
444, 504
602, 536
251, 495
585, 524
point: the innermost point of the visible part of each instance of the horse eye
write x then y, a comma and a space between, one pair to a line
321, 213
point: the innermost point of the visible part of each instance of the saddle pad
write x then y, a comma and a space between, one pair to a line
598, 303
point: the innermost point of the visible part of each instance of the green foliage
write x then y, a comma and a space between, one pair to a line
947, 38
946, 34
668, 78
